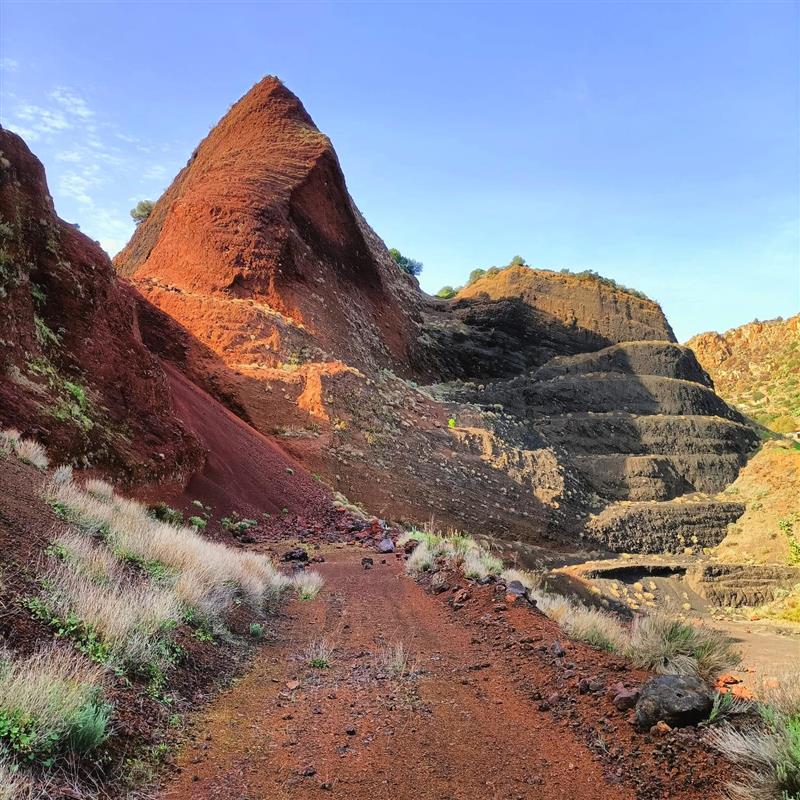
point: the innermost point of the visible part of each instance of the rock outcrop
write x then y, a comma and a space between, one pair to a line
536, 405
258, 246
74, 373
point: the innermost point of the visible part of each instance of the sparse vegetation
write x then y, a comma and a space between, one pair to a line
666, 644
455, 550
26, 450
141, 211
256, 630
51, 701
656, 642
308, 584
408, 265
318, 654
766, 750
395, 660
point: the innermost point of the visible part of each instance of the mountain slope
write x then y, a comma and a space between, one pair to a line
756, 367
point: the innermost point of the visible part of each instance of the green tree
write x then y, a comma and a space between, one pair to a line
446, 292
142, 211
475, 274
518, 261
409, 265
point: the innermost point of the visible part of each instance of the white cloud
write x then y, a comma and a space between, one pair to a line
78, 183
43, 120
89, 159
9, 64
71, 102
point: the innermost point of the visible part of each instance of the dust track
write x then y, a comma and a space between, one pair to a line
455, 731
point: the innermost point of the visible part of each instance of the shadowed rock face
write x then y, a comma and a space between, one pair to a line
75, 374
576, 415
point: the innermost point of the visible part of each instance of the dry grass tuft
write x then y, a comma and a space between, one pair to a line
62, 474
45, 696
597, 628
395, 659
532, 581
13, 786
767, 752
421, 560
130, 619
8, 439
102, 490
457, 550
30, 452
665, 644
308, 584
318, 654
207, 575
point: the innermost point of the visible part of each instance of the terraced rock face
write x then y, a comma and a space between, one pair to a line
536, 405
597, 314
74, 373
640, 432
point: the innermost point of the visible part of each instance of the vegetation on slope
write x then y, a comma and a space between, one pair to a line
656, 642
118, 595
448, 292
756, 367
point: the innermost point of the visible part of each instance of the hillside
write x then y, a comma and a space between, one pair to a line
74, 371
756, 367
263, 285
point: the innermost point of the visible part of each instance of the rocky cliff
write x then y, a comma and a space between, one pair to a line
535, 405
74, 373
756, 367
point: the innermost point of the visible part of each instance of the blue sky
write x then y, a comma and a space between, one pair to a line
656, 143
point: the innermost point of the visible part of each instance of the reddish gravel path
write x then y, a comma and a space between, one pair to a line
353, 731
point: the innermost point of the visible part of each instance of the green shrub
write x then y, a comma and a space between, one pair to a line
256, 630
141, 211
446, 292
198, 522
161, 511
89, 727
408, 265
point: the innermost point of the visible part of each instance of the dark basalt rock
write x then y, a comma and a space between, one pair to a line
678, 700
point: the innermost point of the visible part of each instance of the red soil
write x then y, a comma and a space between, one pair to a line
244, 470
261, 213
74, 373
471, 724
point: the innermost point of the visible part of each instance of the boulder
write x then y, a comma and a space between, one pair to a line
677, 700
295, 554
385, 546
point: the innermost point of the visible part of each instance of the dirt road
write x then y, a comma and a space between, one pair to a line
462, 724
